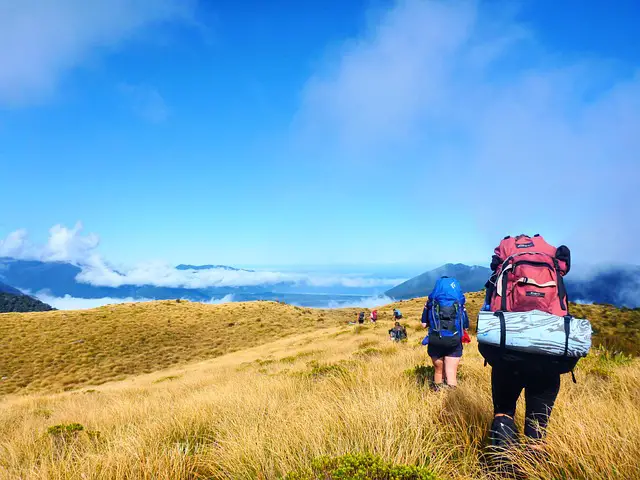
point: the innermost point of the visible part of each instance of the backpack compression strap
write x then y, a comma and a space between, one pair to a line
567, 330
503, 330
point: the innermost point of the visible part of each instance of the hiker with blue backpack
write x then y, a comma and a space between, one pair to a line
446, 318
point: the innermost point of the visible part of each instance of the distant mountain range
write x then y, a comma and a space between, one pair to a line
4, 288
618, 286
59, 279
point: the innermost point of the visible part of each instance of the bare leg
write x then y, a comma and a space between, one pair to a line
451, 370
438, 364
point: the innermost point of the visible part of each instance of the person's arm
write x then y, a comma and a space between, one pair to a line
563, 255
425, 316
465, 318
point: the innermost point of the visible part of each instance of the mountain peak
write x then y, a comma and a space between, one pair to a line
471, 278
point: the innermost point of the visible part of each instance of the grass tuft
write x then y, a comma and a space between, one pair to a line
354, 466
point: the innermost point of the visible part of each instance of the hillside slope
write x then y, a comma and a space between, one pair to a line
66, 349
21, 303
275, 409
52, 351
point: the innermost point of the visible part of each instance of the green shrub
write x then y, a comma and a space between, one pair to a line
298, 356
43, 412
423, 374
368, 352
319, 370
65, 430
355, 466
263, 362
602, 362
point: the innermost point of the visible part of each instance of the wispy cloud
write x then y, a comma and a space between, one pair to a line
74, 246
146, 102
458, 88
41, 40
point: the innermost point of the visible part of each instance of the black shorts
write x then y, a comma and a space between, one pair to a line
438, 352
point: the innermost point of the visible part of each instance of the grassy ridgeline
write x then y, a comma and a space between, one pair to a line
271, 410
66, 350
63, 350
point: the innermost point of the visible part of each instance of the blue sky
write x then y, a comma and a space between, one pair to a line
309, 133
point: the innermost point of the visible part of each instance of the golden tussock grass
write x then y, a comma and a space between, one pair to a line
267, 410
67, 349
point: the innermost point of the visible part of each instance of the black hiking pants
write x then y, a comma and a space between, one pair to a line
540, 392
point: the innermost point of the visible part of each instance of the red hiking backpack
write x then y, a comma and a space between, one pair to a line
528, 276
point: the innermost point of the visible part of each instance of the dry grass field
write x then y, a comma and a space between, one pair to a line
284, 392
68, 349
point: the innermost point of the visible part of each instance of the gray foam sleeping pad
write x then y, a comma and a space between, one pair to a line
536, 332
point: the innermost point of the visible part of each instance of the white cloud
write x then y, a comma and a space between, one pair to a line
364, 302
74, 246
379, 85
69, 245
217, 301
146, 102
532, 138
14, 245
72, 303
40, 40
164, 275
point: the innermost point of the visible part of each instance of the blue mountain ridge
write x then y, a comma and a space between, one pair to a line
615, 285
471, 278
618, 286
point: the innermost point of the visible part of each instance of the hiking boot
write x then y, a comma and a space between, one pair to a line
503, 436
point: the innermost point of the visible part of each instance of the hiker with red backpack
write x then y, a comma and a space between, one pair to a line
526, 334
446, 318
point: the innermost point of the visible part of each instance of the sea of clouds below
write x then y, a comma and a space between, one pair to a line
332, 301
73, 303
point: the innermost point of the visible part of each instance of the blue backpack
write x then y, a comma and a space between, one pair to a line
445, 314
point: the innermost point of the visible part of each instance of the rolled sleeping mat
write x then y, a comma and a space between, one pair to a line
535, 332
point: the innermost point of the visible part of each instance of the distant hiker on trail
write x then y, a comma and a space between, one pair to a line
361, 317
447, 320
527, 278
374, 316
397, 314
398, 332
